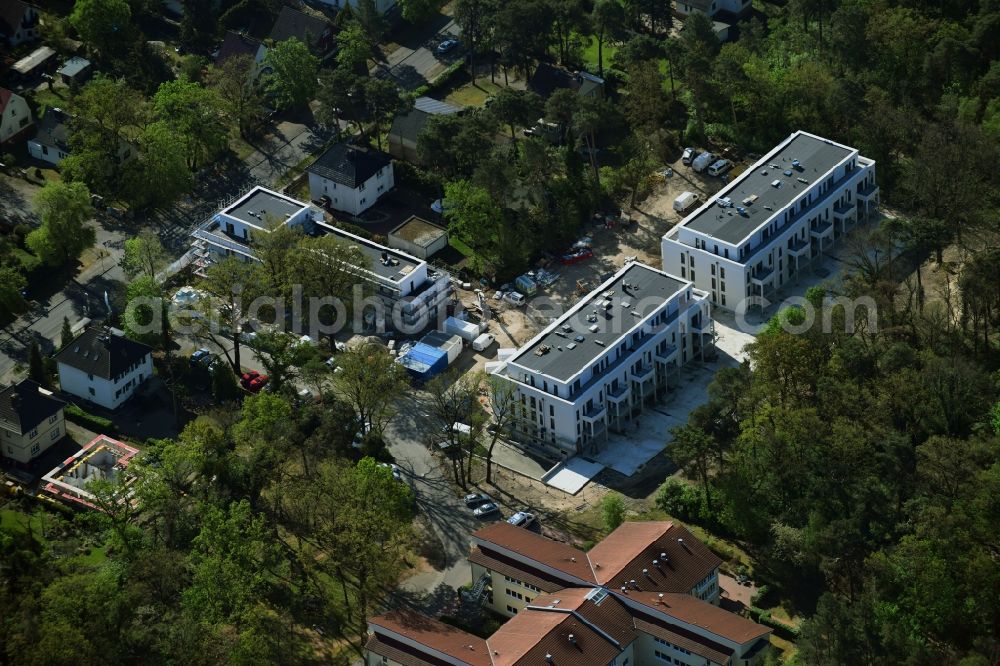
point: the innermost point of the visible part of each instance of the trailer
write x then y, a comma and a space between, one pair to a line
463, 329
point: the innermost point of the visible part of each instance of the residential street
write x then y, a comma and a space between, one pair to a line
412, 65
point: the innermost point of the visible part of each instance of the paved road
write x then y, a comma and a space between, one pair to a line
291, 143
450, 522
413, 67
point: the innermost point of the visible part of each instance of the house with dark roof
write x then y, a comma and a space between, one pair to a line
51, 142
18, 22
407, 126
549, 78
350, 178
15, 116
31, 420
238, 44
311, 29
578, 625
104, 367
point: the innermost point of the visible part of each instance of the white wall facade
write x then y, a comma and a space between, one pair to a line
108, 393
571, 414
740, 276
26, 34
15, 119
51, 154
352, 201
30, 445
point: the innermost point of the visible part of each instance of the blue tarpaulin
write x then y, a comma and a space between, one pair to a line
424, 361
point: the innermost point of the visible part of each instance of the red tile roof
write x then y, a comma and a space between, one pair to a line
701, 614
431, 633
554, 554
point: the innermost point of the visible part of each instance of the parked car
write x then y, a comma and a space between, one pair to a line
253, 381
522, 519
475, 500
514, 298
688, 156
701, 162
202, 357
396, 473
485, 510
446, 46
719, 167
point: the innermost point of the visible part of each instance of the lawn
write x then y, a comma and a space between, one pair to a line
590, 55
461, 247
57, 98
473, 95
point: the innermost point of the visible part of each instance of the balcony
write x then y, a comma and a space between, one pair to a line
643, 372
211, 235
667, 355
620, 394
594, 413
762, 276
822, 230
868, 192
799, 248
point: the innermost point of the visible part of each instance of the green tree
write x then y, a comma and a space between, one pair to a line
608, 19
371, 382
514, 108
418, 11
470, 211
66, 334
692, 450
292, 79
235, 83
195, 115
145, 317
144, 255
12, 284
65, 210
281, 355
160, 173
612, 510
36, 365
105, 25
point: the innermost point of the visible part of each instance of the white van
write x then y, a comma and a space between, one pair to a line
483, 342
719, 167
514, 298
685, 201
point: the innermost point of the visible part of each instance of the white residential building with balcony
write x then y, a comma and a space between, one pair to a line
411, 291
771, 221
617, 350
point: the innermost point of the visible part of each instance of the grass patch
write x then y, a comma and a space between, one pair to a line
240, 147
14, 520
57, 98
461, 247
473, 95
590, 55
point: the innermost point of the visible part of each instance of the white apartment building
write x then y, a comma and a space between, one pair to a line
411, 291
104, 367
770, 222
350, 178
31, 420
599, 364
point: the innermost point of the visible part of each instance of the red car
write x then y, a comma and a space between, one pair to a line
253, 381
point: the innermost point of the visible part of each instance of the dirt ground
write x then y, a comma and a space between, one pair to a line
513, 327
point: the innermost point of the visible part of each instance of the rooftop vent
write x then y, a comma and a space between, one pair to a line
579, 338
599, 342
543, 350
571, 345
787, 172
795, 164
572, 639
594, 328
775, 183
803, 181
775, 166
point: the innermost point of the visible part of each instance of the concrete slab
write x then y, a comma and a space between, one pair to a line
573, 475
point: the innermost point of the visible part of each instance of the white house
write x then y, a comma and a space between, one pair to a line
382, 6
405, 285
31, 420
350, 178
609, 356
18, 22
770, 222
51, 142
728, 8
104, 367
15, 116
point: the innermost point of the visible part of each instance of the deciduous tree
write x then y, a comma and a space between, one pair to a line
65, 210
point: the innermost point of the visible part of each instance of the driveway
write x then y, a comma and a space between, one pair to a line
290, 143
412, 66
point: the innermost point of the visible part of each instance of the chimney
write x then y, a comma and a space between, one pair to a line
15, 399
548, 658
572, 639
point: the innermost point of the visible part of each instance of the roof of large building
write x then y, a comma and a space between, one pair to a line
698, 613
554, 554
260, 204
431, 633
236, 44
24, 406
658, 555
572, 342
349, 165
385, 262
102, 353
815, 157
53, 131
307, 28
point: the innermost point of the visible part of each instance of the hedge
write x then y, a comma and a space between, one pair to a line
90, 421
782, 630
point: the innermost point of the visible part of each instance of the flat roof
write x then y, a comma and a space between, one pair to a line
647, 289
418, 231
816, 156
396, 269
263, 203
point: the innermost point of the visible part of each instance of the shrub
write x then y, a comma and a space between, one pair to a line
782, 630
90, 421
679, 499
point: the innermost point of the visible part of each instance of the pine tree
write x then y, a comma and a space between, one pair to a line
36, 366
66, 336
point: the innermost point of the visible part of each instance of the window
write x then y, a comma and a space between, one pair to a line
55, 435
712, 267
53, 418
35, 448
33, 434
90, 377
45, 150
722, 272
511, 610
92, 391
515, 595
